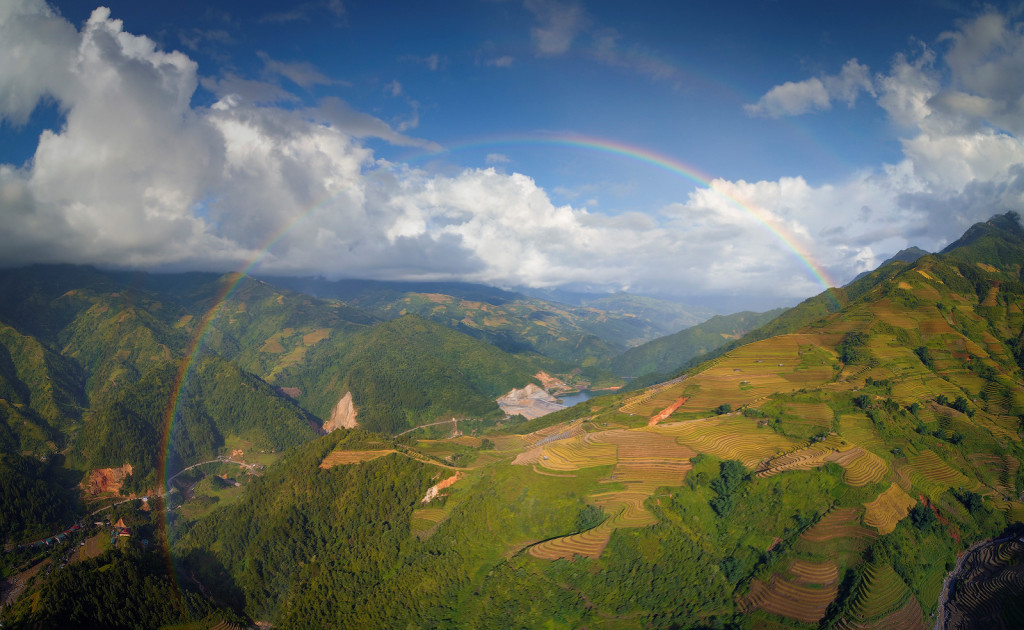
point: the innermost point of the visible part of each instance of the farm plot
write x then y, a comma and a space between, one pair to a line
999, 471
805, 572
729, 437
839, 523
576, 452
644, 461
805, 458
781, 363
817, 413
888, 509
790, 599
344, 458
646, 456
554, 433
857, 428
936, 472
589, 543
426, 520
882, 602
860, 467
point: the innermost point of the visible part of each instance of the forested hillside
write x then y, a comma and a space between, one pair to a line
668, 354
825, 469
99, 369
825, 476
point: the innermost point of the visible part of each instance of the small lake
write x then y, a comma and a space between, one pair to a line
571, 399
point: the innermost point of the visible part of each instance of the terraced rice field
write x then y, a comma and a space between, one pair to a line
644, 461
857, 428
729, 437
805, 572
633, 405
589, 543
881, 594
987, 594
998, 471
574, 453
805, 458
861, 467
781, 363
646, 456
909, 617
554, 433
888, 509
343, 458
790, 599
935, 471
426, 520
839, 523
626, 506
819, 414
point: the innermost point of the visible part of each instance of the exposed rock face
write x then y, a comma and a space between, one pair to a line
530, 402
343, 416
435, 490
106, 479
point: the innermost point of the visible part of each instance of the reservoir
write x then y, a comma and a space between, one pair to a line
571, 399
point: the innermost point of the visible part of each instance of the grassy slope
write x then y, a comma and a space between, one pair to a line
668, 354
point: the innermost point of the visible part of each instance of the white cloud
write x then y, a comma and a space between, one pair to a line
301, 73
558, 24
246, 89
497, 158
35, 44
140, 177
794, 98
504, 61
432, 62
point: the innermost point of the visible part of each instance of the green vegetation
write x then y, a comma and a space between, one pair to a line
872, 441
667, 355
408, 372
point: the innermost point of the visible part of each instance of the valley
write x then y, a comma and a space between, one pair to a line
308, 461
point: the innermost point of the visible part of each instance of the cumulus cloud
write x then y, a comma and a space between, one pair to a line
815, 94
139, 176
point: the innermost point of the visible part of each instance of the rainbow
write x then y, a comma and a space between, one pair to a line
662, 162
603, 145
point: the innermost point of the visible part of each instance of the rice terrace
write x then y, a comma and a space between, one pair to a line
818, 448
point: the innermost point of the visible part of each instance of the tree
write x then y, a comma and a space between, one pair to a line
922, 517
723, 408
926, 357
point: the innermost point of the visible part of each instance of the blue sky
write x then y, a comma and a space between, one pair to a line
404, 140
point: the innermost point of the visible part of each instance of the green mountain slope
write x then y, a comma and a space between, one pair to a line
581, 332
407, 372
668, 354
828, 475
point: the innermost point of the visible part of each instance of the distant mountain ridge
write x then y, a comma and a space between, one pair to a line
908, 255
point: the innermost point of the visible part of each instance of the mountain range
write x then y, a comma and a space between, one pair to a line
308, 453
